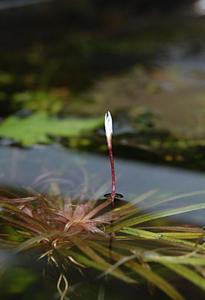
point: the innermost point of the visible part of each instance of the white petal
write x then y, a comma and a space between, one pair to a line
108, 124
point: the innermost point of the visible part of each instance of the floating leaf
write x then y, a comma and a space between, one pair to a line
38, 127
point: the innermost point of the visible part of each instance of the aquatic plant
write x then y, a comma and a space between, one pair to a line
80, 234
43, 127
124, 241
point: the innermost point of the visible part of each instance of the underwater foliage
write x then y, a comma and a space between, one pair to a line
123, 242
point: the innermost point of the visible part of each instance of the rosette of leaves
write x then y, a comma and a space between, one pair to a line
123, 242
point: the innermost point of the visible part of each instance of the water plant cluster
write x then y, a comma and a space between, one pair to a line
120, 241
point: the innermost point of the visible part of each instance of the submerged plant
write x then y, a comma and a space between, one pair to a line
80, 233
70, 233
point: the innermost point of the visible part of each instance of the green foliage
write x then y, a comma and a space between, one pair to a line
81, 235
39, 127
160, 214
17, 280
42, 100
6, 78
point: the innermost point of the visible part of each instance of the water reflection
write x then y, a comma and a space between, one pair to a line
84, 175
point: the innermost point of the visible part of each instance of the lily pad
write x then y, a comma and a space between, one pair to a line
38, 127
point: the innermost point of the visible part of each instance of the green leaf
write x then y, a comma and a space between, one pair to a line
91, 259
181, 259
146, 234
38, 127
187, 273
174, 240
143, 271
157, 215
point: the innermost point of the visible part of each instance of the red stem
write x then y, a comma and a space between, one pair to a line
112, 166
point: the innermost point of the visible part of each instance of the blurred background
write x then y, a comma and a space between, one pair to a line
84, 57
63, 64
143, 60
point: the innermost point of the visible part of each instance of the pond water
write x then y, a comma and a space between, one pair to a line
83, 175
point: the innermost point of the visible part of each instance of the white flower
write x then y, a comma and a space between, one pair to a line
108, 125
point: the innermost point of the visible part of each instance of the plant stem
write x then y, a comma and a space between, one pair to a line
112, 167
